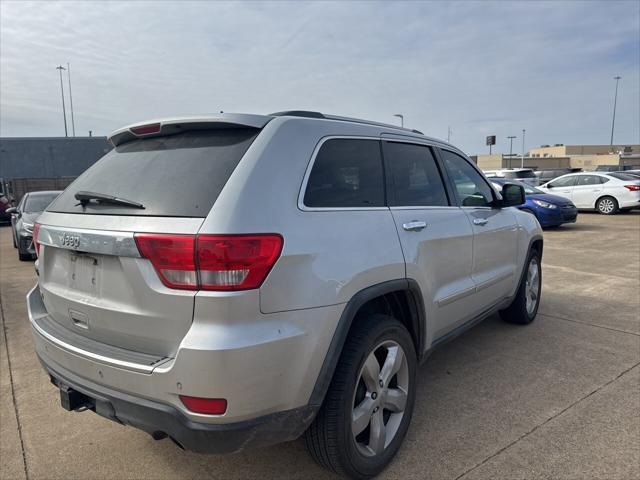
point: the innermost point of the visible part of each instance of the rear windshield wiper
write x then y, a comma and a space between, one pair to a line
86, 197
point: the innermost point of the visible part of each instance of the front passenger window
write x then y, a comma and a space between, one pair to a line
472, 189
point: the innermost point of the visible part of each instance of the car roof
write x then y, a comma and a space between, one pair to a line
167, 126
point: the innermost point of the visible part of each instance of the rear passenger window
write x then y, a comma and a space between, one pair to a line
414, 175
347, 173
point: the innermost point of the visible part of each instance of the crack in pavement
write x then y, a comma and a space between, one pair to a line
553, 417
590, 324
13, 392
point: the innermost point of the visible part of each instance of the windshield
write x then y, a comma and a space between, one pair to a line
37, 203
175, 176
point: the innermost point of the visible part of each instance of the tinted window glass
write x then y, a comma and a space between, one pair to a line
588, 180
178, 175
346, 173
415, 176
564, 181
621, 176
523, 174
37, 203
472, 189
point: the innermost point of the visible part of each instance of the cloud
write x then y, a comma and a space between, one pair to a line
481, 67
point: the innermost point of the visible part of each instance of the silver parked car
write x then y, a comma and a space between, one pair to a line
23, 217
241, 280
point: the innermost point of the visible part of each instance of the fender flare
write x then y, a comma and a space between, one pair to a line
351, 308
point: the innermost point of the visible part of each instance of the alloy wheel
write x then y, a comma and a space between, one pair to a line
380, 398
606, 205
532, 286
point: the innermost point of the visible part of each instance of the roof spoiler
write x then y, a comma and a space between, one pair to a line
163, 127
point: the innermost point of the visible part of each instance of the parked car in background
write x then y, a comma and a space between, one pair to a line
547, 175
616, 168
23, 217
604, 192
525, 175
633, 173
5, 204
550, 210
287, 281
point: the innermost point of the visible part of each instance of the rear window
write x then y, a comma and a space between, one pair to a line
523, 174
176, 176
623, 176
347, 173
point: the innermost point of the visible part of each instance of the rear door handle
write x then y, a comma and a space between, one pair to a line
414, 226
480, 221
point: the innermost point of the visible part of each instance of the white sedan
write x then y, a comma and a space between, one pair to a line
605, 192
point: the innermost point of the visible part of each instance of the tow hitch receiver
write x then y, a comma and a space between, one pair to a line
73, 400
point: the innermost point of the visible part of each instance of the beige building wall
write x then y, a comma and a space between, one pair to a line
495, 162
571, 150
591, 162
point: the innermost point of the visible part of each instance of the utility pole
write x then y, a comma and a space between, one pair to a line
510, 148
522, 161
449, 132
401, 117
73, 123
615, 100
64, 113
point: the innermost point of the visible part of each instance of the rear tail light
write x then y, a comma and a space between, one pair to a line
36, 230
633, 188
173, 257
210, 406
211, 262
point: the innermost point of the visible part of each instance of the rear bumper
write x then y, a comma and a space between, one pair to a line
157, 418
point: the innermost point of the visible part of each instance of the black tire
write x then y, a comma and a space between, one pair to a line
518, 312
607, 206
329, 439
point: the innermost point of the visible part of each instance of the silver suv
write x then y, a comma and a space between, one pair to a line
241, 280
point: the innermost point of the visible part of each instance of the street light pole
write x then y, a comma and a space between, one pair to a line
64, 112
615, 101
522, 161
510, 148
73, 123
449, 132
401, 117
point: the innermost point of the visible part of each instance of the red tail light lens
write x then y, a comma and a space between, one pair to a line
173, 257
210, 406
236, 262
633, 188
211, 262
36, 230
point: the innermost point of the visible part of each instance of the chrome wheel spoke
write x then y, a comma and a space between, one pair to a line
378, 433
361, 416
370, 372
393, 362
396, 400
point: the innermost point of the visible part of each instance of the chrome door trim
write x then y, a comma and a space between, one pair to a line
105, 242
492, 281
456, 296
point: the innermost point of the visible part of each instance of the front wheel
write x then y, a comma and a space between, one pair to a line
524, 307
607, 206
366, 412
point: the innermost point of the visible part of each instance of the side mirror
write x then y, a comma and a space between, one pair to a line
548, 185
11, 210
512, 195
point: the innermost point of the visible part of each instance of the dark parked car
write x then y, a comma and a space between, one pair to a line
550, 210
24, 216
551, 173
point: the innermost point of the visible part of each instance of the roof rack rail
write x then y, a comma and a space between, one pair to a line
298, 113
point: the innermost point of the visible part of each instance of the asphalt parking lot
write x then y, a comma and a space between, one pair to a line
559, 398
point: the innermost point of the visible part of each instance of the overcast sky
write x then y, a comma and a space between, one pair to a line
481, 68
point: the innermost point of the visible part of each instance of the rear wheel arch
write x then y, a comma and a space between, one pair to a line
399, 298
